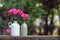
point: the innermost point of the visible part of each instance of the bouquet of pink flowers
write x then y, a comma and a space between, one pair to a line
19, 12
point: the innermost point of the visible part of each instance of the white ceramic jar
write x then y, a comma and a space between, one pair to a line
15, 28
24, 29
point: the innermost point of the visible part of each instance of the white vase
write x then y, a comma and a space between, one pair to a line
15, 28
24, 29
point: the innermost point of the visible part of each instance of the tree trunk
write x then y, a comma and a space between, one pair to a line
59, 20
52, 16
46, 24
51, 27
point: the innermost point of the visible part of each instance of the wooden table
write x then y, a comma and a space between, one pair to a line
34, 37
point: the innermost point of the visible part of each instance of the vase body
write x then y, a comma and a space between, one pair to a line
24, 29
15, 29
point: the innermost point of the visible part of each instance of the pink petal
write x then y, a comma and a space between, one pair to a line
7, 31
25, 16
14, 11
9, 12
20, 12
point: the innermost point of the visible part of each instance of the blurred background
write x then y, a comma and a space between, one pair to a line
44, 15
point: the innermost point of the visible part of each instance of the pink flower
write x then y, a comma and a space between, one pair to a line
8, 31
25, 16
9, 12
20, 12
12, 11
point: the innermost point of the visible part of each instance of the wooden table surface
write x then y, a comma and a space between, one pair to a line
31, 37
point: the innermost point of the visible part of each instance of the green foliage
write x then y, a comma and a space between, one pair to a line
55, 11
58, 1
28, 6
